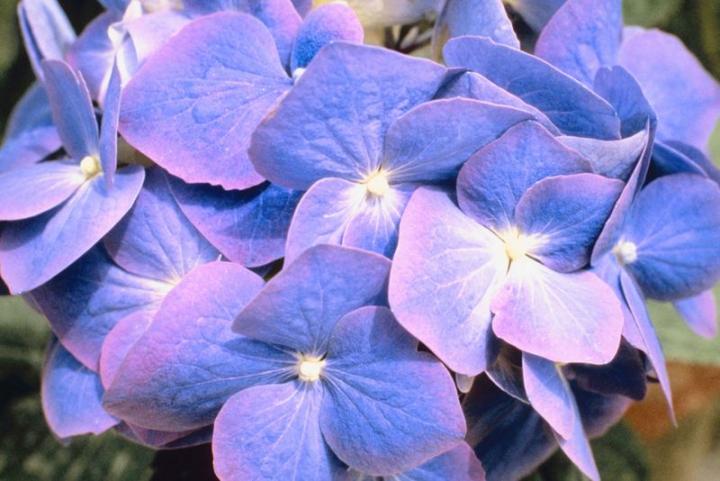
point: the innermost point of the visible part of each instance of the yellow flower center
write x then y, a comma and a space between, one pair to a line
90, 166
377, 183
625, 252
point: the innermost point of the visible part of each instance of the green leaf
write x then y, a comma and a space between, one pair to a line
679, 342
619, 456
23, 334
650, 13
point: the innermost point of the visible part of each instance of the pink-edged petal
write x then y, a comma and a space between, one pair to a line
700, 313
299, 307
406, 399
118, 343
273, 432
71, 396
684, 95
35, 250
562, 317
193, 105
567, 212
445, 271
30, 190
577, 448
492, 182
611, 158
46, 30
458, 464
28, 147
485, 18
189, 362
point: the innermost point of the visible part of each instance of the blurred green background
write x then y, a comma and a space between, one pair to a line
645, 447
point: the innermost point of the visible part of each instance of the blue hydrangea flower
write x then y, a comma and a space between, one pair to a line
320, 355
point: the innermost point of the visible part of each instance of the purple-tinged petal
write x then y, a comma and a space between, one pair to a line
562, 317
577, 448
458, 464
623, 92
31, 112
509, 437
624, 375
109, 127
205, 7
406, 399
567, 212
445, 271
492, 182
30, 190
700, 313
328, 23
684, 95
46, 31
189, 362
155, 240
613, 227
283, 21
506, 370
153, 438
536, 13
299, 307
150, 32
484, 18
35, 250
193, 104
475, 86
328, 127
302, 6
573, 108
273, 432
28, 148
677, 244
72, 109
71, 396
375, 226
249, 227
119, 341
599, 412
323, 214
649, 342
582, 37
93, 53
549, 394
432, 141
611, 158
116, 5
87, 300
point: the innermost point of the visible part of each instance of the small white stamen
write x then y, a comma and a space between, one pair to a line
377, 183
297, 73
310, 368
625, 252
90, 166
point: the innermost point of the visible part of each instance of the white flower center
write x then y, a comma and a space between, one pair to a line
310, 368
90, 166
377, 183
625, 252
517, 245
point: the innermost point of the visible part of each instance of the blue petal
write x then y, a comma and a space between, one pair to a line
28, 148
458, 464
445, 270
117, 5
508, 436
189, 362
537, 12
300, 306
248, 227
572, 107
88, 299
72, 109
567, 212
698, 157
328, 127
406, 399
109, 126
577, 448
35, 250
155, 240
93, 54
622, 91
678, 243
506, 370
46, 31
667, 161
283, 21
700, 313
583, 36
611, 158
484, 18
195, 102
432, 141
328, 23
30, 190
31, 112
549, 394
120, 340
272, 432
492, 182
71, 397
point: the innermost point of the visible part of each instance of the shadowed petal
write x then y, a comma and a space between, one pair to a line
46, 31
536, 12
700, 313
193, 104
109, 126
93, 53
618, 87
28, 148
549, 394
611, 158
299, 307
458, 464
189, 362
405, 399
71, 397
445, 271
35, 250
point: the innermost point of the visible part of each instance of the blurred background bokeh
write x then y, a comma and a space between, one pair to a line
644, 447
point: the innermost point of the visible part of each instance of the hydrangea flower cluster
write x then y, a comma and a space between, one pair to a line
338, 261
